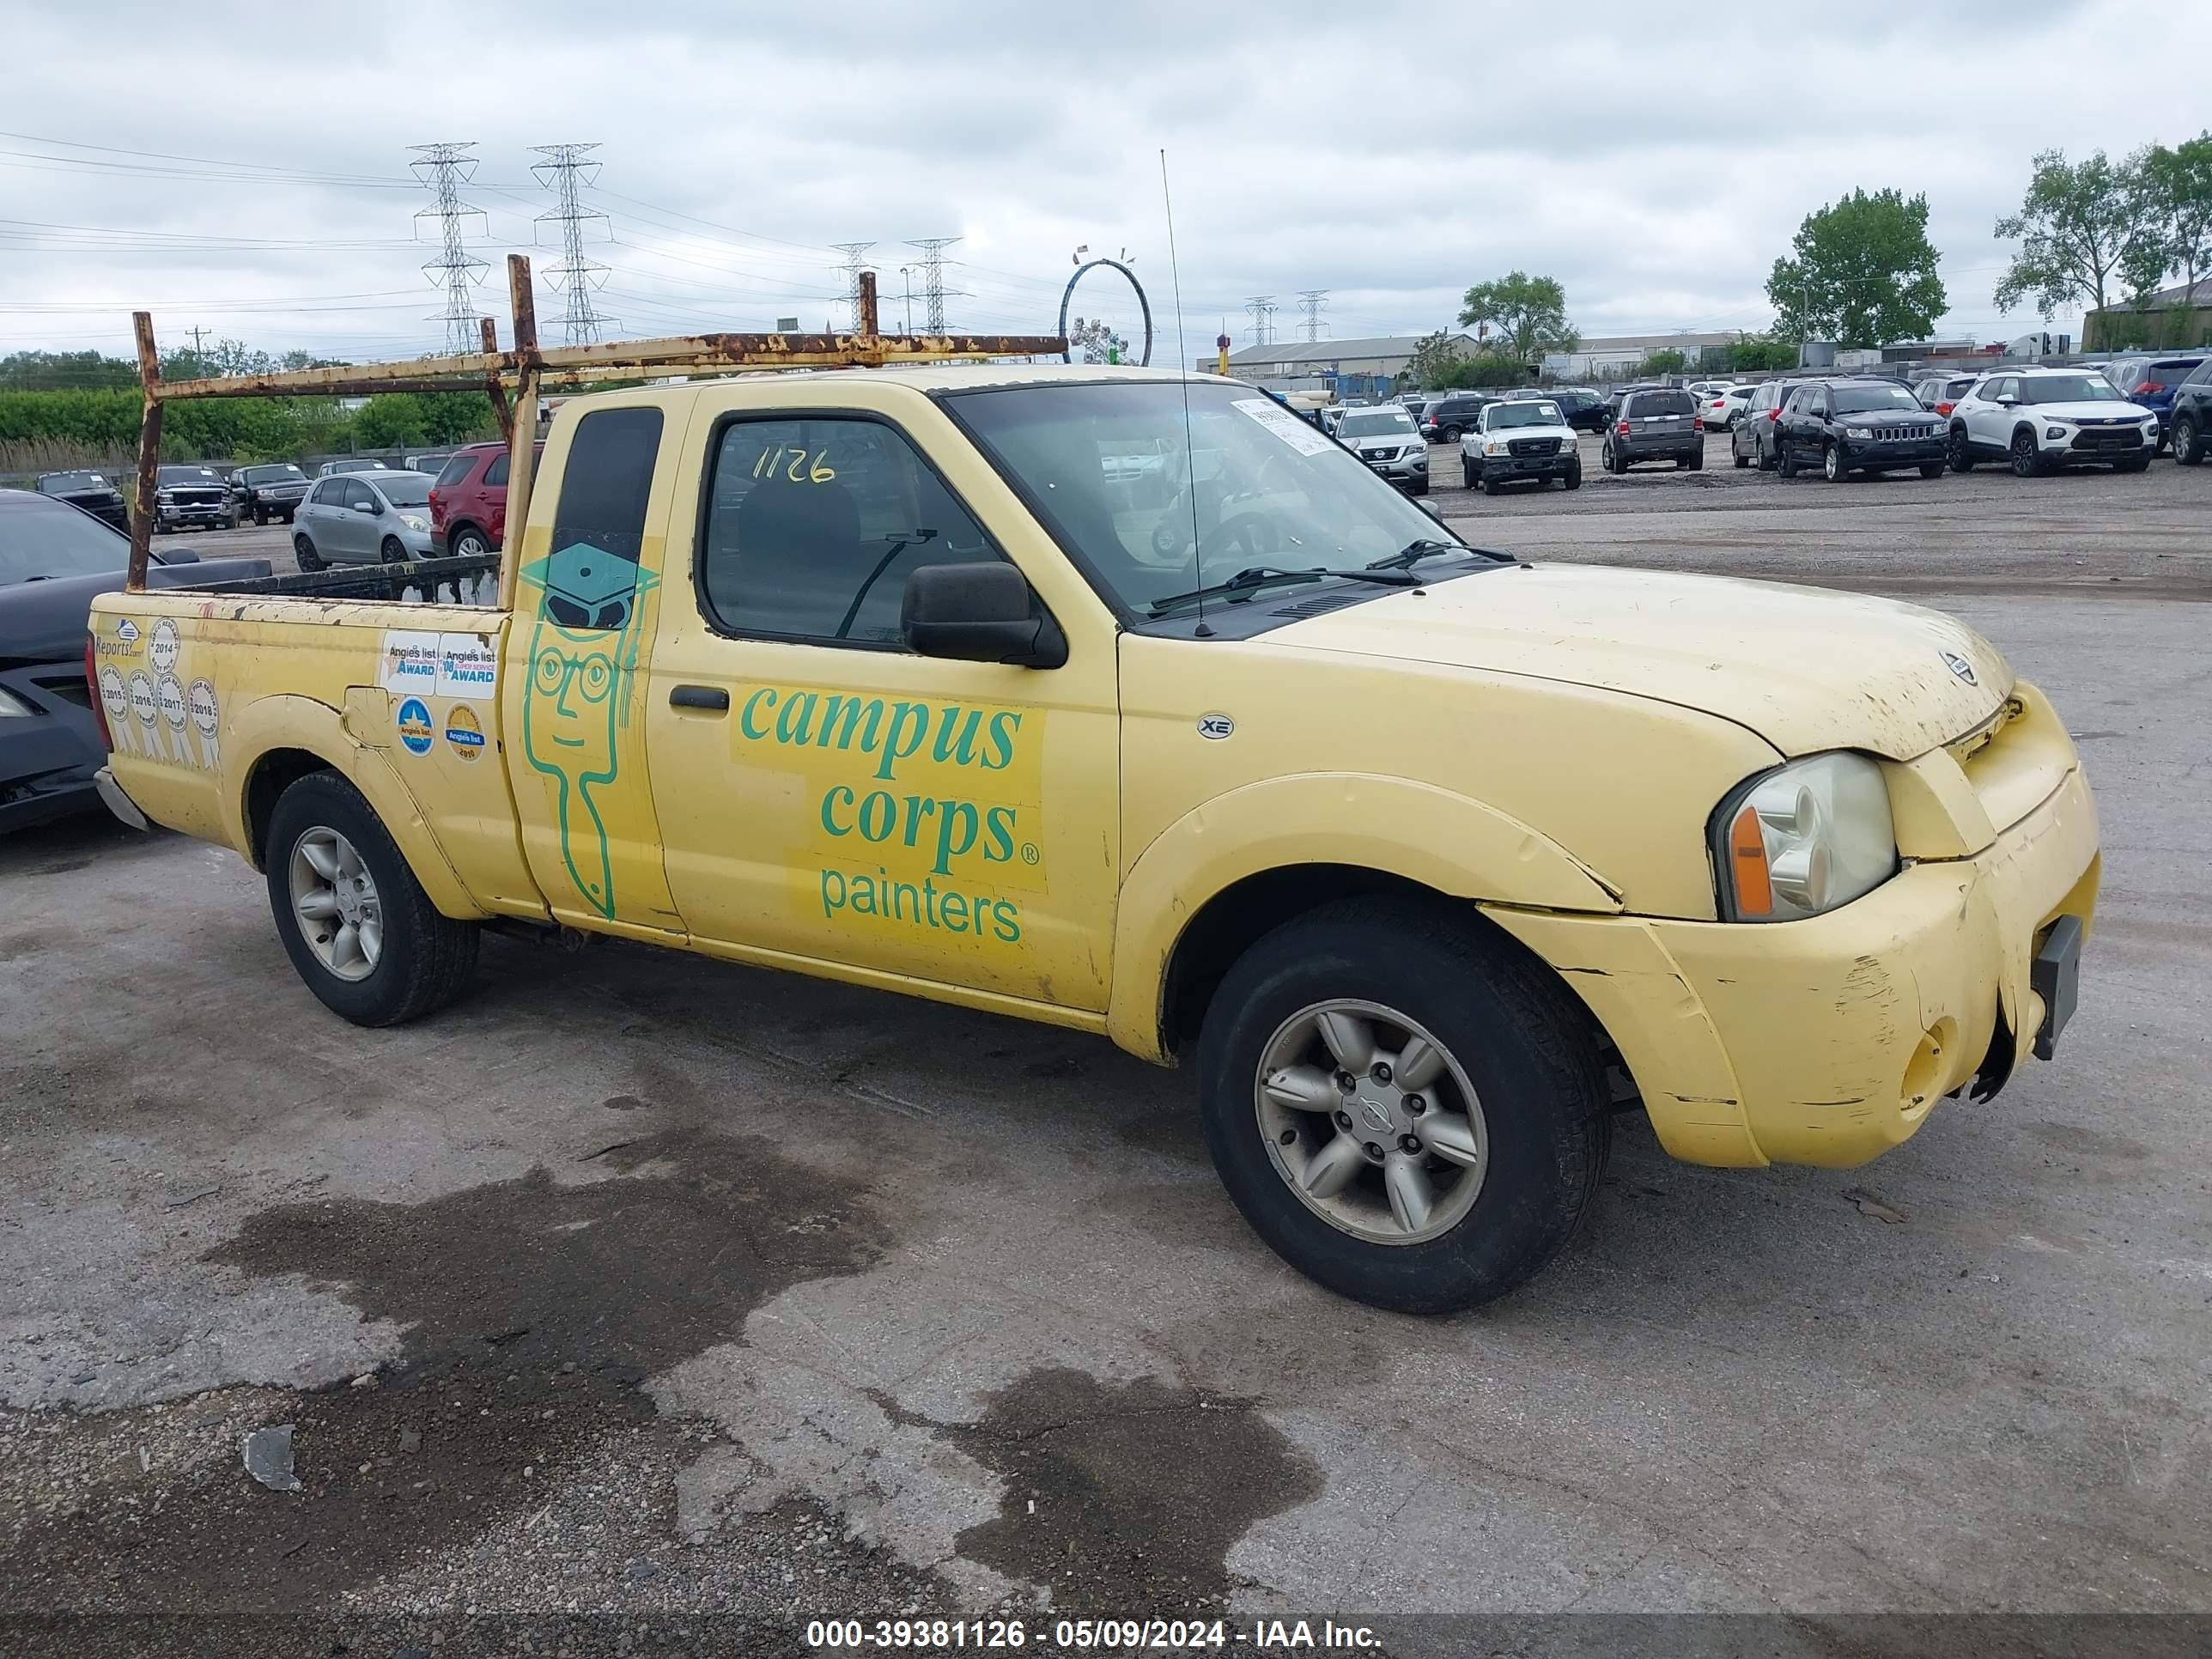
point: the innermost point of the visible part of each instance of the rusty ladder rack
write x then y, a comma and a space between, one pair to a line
528, 368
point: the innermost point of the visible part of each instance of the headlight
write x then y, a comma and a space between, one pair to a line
12, 704
164, 495
1803, 839
415, 523
1494, 446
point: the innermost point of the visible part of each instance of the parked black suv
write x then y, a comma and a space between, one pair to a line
1584, 410
197, 496
1844, 426
263, 493
1444, 421
2191, 416
89, 492
1753, 438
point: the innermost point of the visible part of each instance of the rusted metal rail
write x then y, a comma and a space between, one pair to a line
514, 378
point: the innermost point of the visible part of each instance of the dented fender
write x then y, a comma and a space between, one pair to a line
1442, 840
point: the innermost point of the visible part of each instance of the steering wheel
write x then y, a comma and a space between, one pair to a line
1248, 535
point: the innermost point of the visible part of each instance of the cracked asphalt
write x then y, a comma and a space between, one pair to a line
684, 1304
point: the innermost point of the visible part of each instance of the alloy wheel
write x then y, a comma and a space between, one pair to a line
335, 901
1371, 1123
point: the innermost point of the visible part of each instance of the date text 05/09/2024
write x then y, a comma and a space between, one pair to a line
1079, 1635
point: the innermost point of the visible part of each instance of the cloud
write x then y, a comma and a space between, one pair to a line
1391, 154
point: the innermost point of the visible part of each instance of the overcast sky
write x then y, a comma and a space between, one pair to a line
1656, 159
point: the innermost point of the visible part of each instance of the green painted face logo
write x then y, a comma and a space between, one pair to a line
575, 709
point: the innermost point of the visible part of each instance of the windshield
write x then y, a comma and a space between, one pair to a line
404, 488
51, 539
1524, 414
1865, 399
59, 483
260, 474
2067, 389
1110, 468
190, 475
1379, 423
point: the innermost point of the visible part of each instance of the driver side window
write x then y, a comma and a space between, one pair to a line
814, 524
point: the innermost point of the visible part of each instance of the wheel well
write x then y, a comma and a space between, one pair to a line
272, 775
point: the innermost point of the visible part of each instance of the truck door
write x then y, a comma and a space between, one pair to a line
827, 794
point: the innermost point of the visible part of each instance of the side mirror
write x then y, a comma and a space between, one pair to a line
178, 556
368, 507
979, 612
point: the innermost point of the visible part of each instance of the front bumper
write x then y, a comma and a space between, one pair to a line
1896, 452
1527, 466
1829, 1041
2089, 446
192, 512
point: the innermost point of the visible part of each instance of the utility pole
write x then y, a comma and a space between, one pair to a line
906, 271
855, 262
1312, 301
444, 168
1261, 307
562, 171
932, 279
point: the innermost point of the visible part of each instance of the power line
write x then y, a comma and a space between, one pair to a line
932, 277
563, 169
1261, 306
855, 262
1311, 302
444, 168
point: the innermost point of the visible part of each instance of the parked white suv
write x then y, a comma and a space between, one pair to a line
2042, 419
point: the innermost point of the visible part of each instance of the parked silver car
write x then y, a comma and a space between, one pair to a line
364, 518
1386, 438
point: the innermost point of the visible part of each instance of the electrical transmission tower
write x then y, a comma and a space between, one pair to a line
444, 168
932, 277
1312, 301
855, 262
564, 171
1262, 309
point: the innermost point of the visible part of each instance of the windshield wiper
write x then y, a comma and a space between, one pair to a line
1426, 546
1267, 575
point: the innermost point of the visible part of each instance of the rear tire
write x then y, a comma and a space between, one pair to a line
1516, 1057
1769, 458
467, 543
423, 960
304, 550
2188, 443
1737, 455
1573, 478
1693, 462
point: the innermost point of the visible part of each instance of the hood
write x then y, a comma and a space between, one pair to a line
1563, 432
1897, 416
1806, 668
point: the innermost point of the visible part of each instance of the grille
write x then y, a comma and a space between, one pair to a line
1901, 434
197, 496
2108, 439
1535, 446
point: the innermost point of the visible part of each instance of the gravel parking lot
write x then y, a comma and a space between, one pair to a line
706, 1301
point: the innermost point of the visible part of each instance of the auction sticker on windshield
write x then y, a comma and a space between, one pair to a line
1286, 426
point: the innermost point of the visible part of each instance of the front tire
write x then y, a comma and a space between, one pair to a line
1490, 485
1694, 461
2188, 443
391, 550
2027, 459
1573, 477
358, 926
1832, 462
1785, 461
1482, 1122
1931, 469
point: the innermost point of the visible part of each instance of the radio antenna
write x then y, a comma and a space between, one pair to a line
1183, 374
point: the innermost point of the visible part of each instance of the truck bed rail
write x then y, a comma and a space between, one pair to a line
470, 581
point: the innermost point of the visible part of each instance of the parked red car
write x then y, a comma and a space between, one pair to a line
468, 503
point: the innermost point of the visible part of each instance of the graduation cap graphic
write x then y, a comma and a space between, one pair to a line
587, 587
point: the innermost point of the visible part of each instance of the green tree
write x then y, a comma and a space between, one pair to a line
2079, 227
1524, 316
59, 371
2177, 211
453, 417
1435, 356
1752, 356
390, 420
1660, 364
1862, 273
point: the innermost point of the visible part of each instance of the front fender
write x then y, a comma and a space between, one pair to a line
1442, 840
276, 723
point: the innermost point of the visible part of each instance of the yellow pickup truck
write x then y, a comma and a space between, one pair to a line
1127, 702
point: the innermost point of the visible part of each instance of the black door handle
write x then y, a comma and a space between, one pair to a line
700, 697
